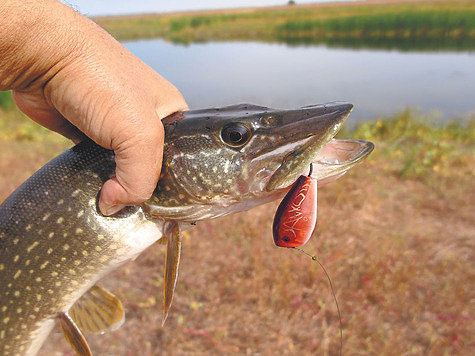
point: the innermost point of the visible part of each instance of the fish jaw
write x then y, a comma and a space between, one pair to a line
321, 124
337, 157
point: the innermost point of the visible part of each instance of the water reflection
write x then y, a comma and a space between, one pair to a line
377, 82
400, 44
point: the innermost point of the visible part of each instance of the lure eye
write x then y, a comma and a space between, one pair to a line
236, 134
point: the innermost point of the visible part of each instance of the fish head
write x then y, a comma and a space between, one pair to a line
225, 160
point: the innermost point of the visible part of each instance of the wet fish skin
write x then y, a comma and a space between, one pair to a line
55, 245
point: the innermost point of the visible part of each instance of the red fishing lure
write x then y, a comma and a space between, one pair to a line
296, 215
295, 221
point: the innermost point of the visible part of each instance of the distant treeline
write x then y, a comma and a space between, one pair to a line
404, 24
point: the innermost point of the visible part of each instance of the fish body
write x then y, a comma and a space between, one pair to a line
55, 245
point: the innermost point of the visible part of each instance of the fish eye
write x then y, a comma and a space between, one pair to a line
236, 134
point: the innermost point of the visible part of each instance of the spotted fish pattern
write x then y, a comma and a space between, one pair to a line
53, 241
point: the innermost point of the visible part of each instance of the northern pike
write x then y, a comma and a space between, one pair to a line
55, 245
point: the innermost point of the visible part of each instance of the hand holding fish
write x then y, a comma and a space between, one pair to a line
70, 76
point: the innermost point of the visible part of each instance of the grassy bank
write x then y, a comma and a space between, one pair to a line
435, 24
396, 235
16, 127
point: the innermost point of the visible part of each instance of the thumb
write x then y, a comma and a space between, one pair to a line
112, 196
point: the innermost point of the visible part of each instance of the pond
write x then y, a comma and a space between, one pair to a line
377, 82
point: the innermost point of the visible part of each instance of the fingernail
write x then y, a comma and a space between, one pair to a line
111, 210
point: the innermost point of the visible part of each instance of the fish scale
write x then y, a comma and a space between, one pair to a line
55, 245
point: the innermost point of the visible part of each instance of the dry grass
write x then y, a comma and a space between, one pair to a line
399, 248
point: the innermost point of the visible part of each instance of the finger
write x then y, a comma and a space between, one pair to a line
138, 168
112, 194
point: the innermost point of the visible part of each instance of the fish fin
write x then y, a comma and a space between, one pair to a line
171, 268
162, 241
97, 311
73, 335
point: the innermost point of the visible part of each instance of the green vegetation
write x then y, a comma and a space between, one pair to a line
17, 127
417, 148
403, 24
6, 101
127, 28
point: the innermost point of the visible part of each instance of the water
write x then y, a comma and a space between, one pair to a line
377, 82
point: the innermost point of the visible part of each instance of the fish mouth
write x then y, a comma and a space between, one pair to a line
337, 157
312, 131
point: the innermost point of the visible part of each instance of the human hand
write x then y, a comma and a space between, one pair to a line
72, 77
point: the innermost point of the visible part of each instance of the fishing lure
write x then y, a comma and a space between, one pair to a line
296, 215
295, 221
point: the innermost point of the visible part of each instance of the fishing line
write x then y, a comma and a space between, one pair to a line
333, 293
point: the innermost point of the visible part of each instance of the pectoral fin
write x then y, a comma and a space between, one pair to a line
171, 267
73, 335
162, 241
97, 311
